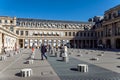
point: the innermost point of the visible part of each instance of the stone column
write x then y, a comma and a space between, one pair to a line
81, 43
74, 43
23, 43
29, 43
89, 44
85, 43
93, 44
78, 43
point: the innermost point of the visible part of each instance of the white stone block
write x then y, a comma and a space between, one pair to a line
99, 54
30, 61
82, 67
26, 72
66, 59
3, 57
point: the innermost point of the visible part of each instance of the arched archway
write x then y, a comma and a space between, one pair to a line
108, 43
118, 43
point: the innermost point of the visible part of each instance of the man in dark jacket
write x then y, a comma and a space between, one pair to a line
43, 51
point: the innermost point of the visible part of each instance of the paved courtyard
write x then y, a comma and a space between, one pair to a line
105, 68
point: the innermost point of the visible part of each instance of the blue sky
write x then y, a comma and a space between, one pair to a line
75, 10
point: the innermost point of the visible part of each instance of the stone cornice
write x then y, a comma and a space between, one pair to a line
111, 21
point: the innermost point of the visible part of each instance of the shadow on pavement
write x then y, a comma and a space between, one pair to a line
74, 69
18, 74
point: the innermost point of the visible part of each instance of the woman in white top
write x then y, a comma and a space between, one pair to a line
65, 51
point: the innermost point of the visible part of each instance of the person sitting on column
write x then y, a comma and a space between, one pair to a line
43, 51
65, 51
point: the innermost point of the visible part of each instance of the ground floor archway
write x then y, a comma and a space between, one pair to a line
118, 43
108, 43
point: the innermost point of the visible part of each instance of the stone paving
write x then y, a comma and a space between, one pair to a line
68, 71
54, 69
10, 68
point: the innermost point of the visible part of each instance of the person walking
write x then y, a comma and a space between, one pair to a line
33, 51
61, 50
49, 49
33, 48
43, 51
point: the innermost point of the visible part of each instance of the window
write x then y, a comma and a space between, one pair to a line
17, 32
0, 21
118, 30
77, 34
84, 34
98, 34
119, 13
109, 32
65, 33
91, 34
5, 21
73, 33
21, 33
109, 16
66, 26
26, 33
12, 28
101, 33
81, 34
95, 34
88, 34
69, 33
11, 21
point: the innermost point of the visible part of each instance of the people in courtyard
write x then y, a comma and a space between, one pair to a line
43, 51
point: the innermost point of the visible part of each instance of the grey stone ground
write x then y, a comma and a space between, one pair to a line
103, 69
10, 68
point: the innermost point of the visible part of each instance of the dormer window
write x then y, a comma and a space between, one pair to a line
114, 15
109, 16
118, 12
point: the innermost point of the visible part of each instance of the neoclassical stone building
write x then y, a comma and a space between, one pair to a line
52, 32
23, 32
108, 29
